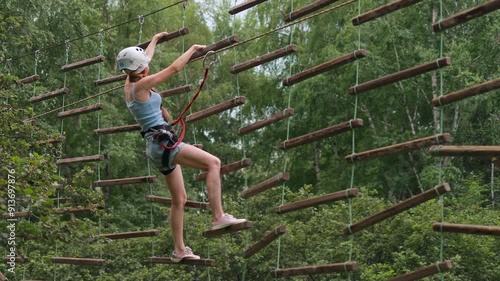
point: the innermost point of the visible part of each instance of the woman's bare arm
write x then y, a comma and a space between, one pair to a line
150, 50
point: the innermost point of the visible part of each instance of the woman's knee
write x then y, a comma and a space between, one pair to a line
179, 200
214, 163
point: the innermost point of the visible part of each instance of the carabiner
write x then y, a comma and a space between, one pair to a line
211, 62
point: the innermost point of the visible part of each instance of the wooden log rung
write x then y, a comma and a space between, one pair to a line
124, 181
49, 95
29, 79
329, 65
495, 161
116, 130
229, 229
51, 140
266, 240
83, 159
164, 260
168, 201
131, 234
467, 93
226, 42
290, 49
424, 272
226, 169
267, 121
383, 10
79, 261
321, 134
16, 259
308, 9
166, 38
176, 91
316, 201
265, 185
81, 110
16, 215
465, 150
3, 278
314, 269
398, 76
466, 228
400, 147
78, 209
82, 63
466, 16
244, 6
109, 80
237, 101
398, 208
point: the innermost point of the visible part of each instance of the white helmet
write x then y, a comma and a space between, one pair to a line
133, 59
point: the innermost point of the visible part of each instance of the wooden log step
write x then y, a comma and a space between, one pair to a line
226, 169
166, 38
200, 262
109, 80
265, 185
266, 240
83, 159
79, 261
16, 215
290, 49
82, 63
168, 201
383, 10
321, 134
398, 208
131, 234
398, 76
176, 91
267, 121
308, 9
316, 201
329, 65
466, 228
3, 278
52, 140
244, 6
16, 259
124, 181
49, 95
467, 93
466, 16
81, 110
226, 42
116, 130
29, 79
229, 229
424, 272
237, 101
400, 147
465, 150
78, 209
495, 161
314, 269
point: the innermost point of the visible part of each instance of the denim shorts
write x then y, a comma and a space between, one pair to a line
156, 155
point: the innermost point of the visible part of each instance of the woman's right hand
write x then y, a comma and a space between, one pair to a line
197, 47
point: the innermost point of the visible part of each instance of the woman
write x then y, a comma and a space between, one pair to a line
145, 106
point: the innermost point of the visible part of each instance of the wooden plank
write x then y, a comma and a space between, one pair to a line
467, 93
290, 49
267, 121
83, 63
118, 129
466, 228
16, 215
466, 16
400, 147
200, 262
314, 269
226, 42
109, 80
49, 95
16, 259
229, 229
265, 185
398, 76
321, 134
424, 272
79, 261
316, 201
81, 110
52, 140
166, 38
124, 181
226, 169
130, 234
29, 79
308, 9
465, 150
266, 240
244, 6
176, 91
168, 201
83, 159
398, 208
237, 101
383, 10
329, 65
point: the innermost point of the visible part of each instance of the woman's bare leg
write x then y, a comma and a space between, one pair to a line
175, 183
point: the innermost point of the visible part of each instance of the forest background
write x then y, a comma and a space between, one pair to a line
391, 114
